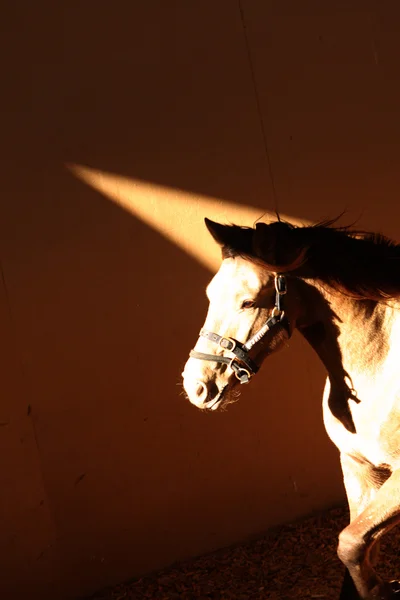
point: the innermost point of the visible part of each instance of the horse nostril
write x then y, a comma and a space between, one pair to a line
213, 390
201, 390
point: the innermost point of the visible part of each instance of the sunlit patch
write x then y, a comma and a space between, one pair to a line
176, 214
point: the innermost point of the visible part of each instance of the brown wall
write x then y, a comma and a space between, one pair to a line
106, 472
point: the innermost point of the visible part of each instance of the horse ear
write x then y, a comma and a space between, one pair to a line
221, 233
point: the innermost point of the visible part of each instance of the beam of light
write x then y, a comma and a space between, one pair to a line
175, 214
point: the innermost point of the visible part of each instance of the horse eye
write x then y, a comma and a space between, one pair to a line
248, 304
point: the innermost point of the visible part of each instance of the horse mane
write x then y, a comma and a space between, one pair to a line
360, 264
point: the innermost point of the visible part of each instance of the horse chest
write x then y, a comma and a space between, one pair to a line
371, 431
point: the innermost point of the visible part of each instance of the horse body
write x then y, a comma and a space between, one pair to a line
341, 293
368, 348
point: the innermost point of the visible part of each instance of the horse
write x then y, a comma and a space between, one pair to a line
340, 289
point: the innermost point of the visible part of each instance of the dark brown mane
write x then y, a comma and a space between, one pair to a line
360, 264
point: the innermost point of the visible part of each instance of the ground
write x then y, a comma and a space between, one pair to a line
295, 561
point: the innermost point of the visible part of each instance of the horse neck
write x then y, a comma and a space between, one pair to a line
350, 336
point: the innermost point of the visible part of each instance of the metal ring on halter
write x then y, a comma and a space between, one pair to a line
243, 372
239, 369
276, 312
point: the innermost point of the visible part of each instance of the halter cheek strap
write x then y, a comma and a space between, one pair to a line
239, 350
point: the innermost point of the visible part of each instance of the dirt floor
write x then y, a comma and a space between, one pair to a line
295, 561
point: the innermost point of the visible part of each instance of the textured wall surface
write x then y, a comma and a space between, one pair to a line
124, 125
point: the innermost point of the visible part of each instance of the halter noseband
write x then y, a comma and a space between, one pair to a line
240, 350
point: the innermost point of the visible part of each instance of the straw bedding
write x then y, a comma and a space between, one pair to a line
295, 561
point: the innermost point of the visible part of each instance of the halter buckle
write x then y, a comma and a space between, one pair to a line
280, 285
227, 343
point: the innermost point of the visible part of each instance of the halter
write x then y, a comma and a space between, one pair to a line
240, 350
